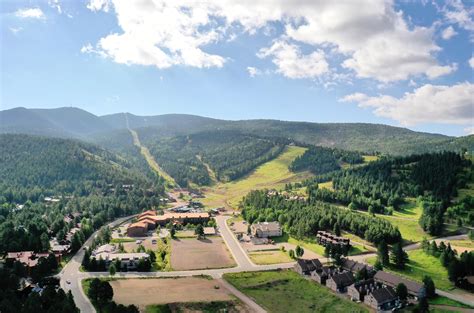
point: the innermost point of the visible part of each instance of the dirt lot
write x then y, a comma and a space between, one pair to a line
147, 243
143, 292
190, 254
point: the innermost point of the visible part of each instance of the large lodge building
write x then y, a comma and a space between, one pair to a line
148, 220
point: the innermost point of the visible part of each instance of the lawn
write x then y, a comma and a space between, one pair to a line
270, 257
370, 158
440, 300
273, 174
206, 307
462, 243
422, 264
287, 291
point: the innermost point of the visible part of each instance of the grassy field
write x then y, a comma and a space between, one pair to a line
273, 174
462, 243
370, 158
287, 291
422, 264
410, 210
439, 300
270, 257
209, 307
315, 247
327, 185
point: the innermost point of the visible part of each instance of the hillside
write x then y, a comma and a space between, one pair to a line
77, 123
52, 165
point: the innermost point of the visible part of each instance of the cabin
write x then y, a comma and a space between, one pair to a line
340, 282
266, 229
415, 289
321, 274
305, 267
382, 299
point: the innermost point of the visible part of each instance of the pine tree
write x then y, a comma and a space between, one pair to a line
382, 253
399, 257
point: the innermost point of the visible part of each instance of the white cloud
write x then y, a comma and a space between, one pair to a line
292, 63
30, 13
455, 12
426, 104
253, 71
55, 5
471, 62
89, 49
16, 30
448, 33
373, 38
469, 130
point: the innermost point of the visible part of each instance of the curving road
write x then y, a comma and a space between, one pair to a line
71, 272
74, 276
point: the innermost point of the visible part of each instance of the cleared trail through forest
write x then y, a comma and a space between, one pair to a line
148, 157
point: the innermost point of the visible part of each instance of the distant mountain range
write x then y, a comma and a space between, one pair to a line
68, 122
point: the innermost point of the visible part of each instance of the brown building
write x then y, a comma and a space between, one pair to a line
382, 299
354, 266
324, 238
138, 229
340, 282
266, 229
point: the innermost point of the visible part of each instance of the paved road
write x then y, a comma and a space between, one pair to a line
71, 271
72, 274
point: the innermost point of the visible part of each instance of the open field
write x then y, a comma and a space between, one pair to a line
287, 291
370, 158
422, 264
270, 257
440, 300
410, 210
145, 292
273, 174
192, 254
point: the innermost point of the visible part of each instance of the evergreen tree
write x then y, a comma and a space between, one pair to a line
429, 287
382, 253
402, 291
398, 256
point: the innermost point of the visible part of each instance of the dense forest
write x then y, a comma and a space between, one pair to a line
303, 219
228, 154
381, 186
321, 160
34, 167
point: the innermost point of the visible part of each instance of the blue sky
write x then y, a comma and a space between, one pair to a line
405, 63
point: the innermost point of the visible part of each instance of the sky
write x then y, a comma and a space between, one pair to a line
402, 63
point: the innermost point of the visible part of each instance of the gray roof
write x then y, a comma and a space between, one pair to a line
267, 226
394, 280
309, 265
343, 279
385, 294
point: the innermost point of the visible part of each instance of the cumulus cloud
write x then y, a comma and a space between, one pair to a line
371, 36
455, 12
292, 63
448, 33
35, 13
426, 104
55, 5
471, 62
469, 130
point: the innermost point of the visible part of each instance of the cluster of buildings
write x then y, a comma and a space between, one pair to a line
325, 238
378, 291
29, 258
109, 254
148, 220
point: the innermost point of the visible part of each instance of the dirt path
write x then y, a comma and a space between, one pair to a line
211, 173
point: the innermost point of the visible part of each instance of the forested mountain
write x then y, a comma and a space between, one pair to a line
73, 122
32, 166
227, 155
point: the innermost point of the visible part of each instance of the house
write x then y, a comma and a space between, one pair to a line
107, 248
259, 241
324, 238
340, 282
354, 266
138, 229
414, 289
305, 267
266, 229
29, 258
360, 289
321, 274
127, 260
382, 299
